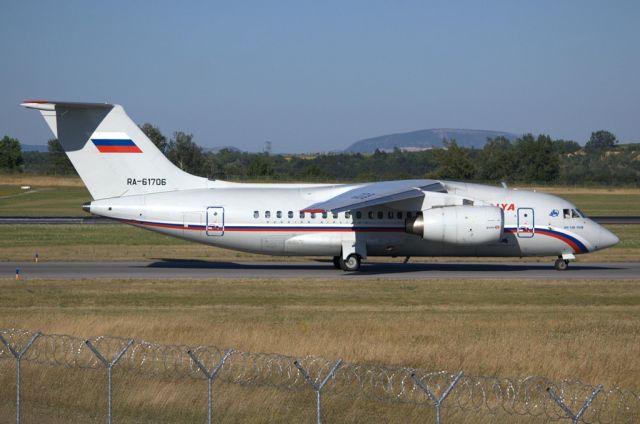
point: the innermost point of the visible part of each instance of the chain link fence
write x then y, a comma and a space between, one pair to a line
532, 396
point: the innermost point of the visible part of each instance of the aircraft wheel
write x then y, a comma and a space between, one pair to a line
352, 263
336, 262
561, 265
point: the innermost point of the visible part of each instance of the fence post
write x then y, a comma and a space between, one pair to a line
318, 387
211, 376
443, 396
575, 418
18, 355
109, 365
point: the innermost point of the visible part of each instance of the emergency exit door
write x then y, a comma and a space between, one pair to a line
526, 223
215, 221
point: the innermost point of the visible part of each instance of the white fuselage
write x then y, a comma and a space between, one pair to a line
266, 218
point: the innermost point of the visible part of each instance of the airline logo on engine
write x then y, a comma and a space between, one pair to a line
507, 206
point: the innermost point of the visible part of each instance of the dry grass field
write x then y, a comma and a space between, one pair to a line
558, 329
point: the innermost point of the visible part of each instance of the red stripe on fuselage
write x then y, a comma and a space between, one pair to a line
265, 229
574, 246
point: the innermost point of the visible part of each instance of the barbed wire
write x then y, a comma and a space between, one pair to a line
526, 396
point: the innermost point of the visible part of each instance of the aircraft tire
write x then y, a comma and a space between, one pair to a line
351, 264
561, 265
336, 262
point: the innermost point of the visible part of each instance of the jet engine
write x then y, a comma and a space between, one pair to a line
465, 225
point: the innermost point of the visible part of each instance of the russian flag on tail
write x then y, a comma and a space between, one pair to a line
115, 142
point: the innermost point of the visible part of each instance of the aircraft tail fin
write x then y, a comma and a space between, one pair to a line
112, 155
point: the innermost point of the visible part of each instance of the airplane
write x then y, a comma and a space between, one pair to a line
131, 181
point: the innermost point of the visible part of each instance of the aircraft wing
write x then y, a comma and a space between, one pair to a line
373, 194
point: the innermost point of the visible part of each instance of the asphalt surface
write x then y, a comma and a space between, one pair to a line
174, 269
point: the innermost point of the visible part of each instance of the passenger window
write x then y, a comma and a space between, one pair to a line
301, 215
566, 214
380, 215
408, 214
399, 215
335, 215
313, 215
370, 214
279, 214
347, 215
390, 214
290, 214
358, 215
324, 215
256, 214
267, 214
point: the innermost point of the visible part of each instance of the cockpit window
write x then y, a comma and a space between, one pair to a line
566, 213
582, 214
575, 214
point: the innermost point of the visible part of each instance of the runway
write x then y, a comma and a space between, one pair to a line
175, 269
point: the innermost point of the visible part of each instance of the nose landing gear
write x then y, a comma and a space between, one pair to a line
561, 264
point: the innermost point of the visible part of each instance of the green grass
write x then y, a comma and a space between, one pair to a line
34, 235
10, 190
42, 201
606, 204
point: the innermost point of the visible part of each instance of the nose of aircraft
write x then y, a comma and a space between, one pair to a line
607, 239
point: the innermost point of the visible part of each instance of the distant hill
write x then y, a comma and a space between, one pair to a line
426, 139
217, 149
34, 147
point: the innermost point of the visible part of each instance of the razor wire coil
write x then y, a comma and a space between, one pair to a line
495, 395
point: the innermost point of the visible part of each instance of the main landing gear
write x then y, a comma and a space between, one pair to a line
351, 264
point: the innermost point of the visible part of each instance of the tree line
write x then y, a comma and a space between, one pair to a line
527, 159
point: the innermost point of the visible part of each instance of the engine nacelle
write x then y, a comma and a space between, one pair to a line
469, 225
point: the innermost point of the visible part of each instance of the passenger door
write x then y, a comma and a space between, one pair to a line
215, 221
526, 223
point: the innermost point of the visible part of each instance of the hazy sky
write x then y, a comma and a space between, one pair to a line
317, 76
